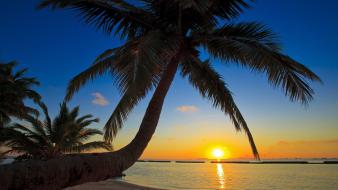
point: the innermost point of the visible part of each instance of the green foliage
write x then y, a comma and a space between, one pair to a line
158, 30
44, 139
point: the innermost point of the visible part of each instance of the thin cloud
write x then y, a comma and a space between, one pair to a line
186, 108
331, 141
99, 99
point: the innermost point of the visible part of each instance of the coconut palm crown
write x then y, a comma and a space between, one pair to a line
14, 89
166, 36
67, 133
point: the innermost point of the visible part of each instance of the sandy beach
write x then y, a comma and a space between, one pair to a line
109, 184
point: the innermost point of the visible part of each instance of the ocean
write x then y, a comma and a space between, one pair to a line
207, 176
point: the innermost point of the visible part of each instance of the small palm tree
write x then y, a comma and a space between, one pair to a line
67, 133
15, 88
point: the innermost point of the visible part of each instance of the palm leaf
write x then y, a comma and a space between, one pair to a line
138, 75
128, 101
211, 86
251, 45
125, 18
91, 146
91, 73
85, 134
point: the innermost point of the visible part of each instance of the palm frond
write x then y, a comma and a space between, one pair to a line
193, 14
91, 146
7, 133
21, 142
81, 79
128, 101
48, 121
229, 9
37, 126
21, 128
138, 74
135, 67
88, 122
123, 63
33, 95
247, 32
211, 86
20, 73
32, 132
117, 15
83, 118
73, 113
254, 46
85, 134
15, 88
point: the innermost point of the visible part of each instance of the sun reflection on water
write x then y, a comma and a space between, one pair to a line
221, 178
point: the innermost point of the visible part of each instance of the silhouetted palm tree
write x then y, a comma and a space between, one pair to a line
15, 88
166, 36
163, 35
46, 139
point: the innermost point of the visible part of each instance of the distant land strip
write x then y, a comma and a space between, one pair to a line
248, 162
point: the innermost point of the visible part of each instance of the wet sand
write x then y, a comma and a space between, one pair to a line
109, 184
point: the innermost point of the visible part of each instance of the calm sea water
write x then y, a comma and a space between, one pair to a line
234, 176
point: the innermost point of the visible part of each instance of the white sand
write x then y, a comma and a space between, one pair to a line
109, 184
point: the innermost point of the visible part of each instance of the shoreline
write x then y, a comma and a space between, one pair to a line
110, 184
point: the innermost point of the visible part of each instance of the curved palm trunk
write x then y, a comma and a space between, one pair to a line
135, 148
76, 169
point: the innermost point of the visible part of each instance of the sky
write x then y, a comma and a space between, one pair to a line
57, 45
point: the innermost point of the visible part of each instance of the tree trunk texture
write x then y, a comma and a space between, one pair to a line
75, 169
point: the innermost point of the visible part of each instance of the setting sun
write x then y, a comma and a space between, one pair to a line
220, 153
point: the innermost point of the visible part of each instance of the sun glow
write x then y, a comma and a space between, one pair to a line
219, 153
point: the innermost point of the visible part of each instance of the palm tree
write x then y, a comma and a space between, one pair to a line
15, 88
47, 139
162, 38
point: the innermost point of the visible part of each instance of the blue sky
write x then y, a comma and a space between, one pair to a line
57, 45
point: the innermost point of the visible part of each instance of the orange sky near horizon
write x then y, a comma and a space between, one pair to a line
195, 141
242, 151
